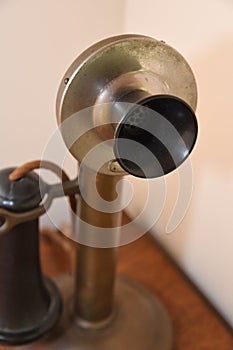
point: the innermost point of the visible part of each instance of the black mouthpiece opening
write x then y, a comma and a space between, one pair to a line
155, 136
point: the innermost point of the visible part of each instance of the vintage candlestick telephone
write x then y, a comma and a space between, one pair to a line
125, 106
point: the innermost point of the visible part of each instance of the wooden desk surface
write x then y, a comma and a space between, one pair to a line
196, 325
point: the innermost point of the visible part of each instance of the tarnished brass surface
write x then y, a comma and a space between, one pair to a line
140, 323
95, 274
109, 70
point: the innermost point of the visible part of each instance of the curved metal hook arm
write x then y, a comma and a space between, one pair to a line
11, 219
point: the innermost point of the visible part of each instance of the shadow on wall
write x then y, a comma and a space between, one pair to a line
202, 243
211, 158
215, 107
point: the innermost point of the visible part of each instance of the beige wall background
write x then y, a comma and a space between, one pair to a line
39, 40
203, 243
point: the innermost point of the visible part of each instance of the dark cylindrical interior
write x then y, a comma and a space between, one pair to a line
155, 136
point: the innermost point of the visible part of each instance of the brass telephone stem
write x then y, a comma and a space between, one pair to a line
95, 269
